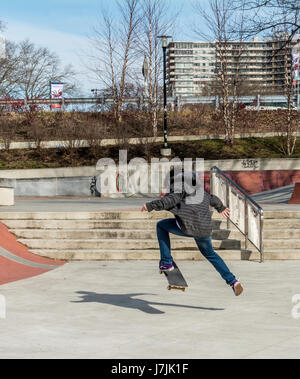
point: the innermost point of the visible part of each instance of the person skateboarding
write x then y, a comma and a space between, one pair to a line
193, 220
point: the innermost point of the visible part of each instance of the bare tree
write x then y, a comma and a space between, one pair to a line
129, 25
219, 19
113, 51
290, 123
37, 66
267, 15
8, 129
71, 134
158, 18
8, 69
291, 136
280, 19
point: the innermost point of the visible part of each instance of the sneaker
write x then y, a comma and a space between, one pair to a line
166, 268
237, 288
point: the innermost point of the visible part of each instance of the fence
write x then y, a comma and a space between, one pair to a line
255, 102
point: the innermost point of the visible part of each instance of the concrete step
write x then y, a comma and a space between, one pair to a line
280, 234
138, 234
282, 224
98, 255
271, 214
126, 244
229, 255
124, 215
282, 254
92, 224
285, 244
101, 215
281, 214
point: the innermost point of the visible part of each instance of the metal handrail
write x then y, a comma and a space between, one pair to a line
248, 200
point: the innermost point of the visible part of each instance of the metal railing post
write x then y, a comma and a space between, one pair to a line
246, 220
212, 171
261, 238
227, 203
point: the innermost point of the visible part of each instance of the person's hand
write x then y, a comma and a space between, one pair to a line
226, 213
163, 193
144, 208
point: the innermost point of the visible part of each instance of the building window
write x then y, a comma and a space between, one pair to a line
183, 52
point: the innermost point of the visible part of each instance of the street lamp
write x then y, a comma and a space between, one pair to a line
165, 151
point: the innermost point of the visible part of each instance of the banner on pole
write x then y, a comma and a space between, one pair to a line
56, 89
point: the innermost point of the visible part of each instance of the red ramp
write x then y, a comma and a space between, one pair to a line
16, 261
295, 199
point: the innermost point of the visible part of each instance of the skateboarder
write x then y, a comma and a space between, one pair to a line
191, 220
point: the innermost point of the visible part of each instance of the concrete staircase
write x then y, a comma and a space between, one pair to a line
282, 235
131, 235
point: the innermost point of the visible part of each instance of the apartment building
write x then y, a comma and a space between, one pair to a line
258, 66
190, 66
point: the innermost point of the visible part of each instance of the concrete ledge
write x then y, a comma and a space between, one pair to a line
248, 164
7, 183
254, 175
136, 141
40, 173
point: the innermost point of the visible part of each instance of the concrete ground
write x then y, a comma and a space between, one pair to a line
74, 204
124, 310
93, 204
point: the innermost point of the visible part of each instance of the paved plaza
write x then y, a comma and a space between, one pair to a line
94, 204
124, 310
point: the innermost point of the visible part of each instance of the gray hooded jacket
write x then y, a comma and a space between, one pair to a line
191, 207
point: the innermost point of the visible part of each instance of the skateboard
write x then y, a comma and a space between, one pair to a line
175, 279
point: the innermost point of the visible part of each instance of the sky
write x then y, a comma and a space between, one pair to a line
63, 26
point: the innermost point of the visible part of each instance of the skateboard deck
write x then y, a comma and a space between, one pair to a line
175, 279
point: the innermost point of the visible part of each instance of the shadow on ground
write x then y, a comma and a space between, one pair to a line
129, 301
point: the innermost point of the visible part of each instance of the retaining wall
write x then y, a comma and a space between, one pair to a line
253, 175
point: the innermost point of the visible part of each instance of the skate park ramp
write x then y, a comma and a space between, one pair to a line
295, 198
282, 195
16, 262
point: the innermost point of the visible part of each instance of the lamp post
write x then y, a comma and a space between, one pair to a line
165, 151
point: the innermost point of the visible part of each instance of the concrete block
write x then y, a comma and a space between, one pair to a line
7, 196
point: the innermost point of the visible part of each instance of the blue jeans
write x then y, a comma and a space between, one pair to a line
165, 227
